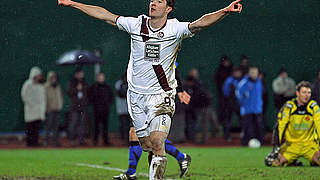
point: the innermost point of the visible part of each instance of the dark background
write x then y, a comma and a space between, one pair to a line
273, 34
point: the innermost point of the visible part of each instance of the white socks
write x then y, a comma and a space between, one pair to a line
157, 167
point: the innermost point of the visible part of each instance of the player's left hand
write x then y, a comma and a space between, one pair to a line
235, 6
184, 97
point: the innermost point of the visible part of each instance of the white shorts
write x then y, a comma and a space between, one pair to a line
151, 112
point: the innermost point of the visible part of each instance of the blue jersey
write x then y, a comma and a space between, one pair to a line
249, 93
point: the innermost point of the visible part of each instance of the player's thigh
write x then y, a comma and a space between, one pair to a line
290, 152
158, 137
310, 149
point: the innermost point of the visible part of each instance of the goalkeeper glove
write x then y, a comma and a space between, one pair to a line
274, 154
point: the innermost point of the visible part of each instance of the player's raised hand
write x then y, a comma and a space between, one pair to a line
184, 97
235, 6
64, 2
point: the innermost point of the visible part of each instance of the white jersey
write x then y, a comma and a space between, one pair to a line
153, 53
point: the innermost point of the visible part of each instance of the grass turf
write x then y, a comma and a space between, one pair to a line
207, 163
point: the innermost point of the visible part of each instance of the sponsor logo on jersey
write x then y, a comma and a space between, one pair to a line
302, 126
152, 52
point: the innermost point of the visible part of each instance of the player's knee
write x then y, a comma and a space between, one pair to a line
158, 143
157, 146
316, 159
145, 144
146, 148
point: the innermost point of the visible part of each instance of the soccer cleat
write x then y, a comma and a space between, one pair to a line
125, 176
184, 165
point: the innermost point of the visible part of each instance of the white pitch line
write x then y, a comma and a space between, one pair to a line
111, 169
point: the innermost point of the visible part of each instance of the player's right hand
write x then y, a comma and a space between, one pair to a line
184, 97
64, 2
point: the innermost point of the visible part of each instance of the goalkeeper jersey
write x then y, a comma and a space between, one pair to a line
299, 123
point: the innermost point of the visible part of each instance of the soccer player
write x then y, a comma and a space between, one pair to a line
155, 42
135, 150
296, 134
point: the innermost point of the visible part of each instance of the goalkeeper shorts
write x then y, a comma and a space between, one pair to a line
293, 151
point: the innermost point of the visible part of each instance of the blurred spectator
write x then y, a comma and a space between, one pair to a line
121, 87
249, 93
284, 89
101, 96
191, 86
34, 98
231, 101
77, 91
54, 106
316, 88
265, 99
244, 64
223, 72
199, 112
206, 114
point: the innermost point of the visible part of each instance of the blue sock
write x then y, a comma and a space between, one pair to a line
135, 152
173, 151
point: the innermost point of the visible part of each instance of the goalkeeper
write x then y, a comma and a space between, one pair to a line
297, 131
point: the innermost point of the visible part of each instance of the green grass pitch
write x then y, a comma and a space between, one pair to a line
88, 164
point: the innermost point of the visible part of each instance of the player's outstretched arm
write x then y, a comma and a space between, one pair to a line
94, 11
211, 18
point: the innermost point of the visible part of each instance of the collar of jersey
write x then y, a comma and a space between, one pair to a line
154, 31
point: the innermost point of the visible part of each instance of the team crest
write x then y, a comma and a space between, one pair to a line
308, 118
160, 35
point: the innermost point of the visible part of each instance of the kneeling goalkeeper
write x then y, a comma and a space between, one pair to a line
296, 134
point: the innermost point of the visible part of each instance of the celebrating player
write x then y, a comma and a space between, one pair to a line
155, 42
296, 134
135, 149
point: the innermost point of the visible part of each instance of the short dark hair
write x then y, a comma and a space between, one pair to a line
282, 70
302, 84
171, 3
78, 69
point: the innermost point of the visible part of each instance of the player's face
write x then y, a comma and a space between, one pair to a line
304, 95
158, 8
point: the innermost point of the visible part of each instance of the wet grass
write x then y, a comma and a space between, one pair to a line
207, 163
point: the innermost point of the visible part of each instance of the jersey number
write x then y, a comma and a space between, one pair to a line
167, 101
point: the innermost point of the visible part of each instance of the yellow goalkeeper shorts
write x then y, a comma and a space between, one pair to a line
293, 151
